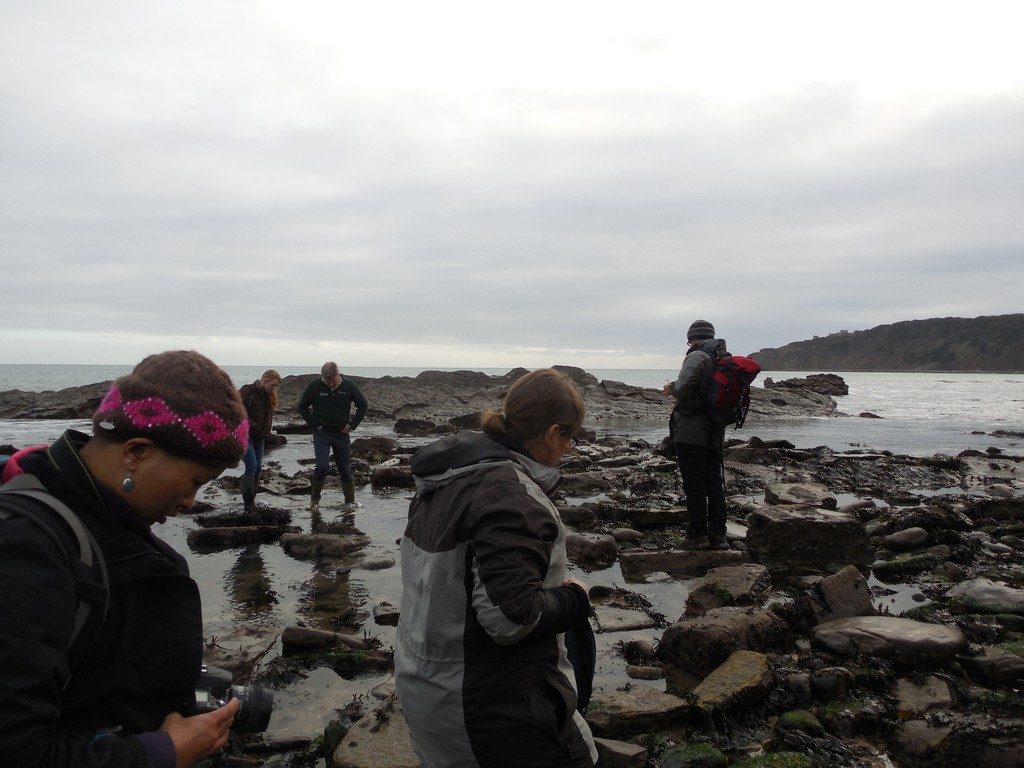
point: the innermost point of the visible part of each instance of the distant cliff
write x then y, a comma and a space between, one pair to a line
986, 344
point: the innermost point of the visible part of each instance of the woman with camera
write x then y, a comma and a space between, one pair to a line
481, 665
97, 669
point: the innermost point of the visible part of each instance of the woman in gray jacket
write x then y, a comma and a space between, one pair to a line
481, 667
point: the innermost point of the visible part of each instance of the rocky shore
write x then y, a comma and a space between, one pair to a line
869, 611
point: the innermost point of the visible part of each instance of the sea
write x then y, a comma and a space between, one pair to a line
920, 414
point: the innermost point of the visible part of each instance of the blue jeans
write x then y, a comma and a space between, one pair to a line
324, 443
704, 486
253, 458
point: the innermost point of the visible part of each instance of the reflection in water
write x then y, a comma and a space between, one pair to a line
250, 590
327, 601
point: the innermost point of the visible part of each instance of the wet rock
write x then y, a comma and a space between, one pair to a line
889, 637
611, 619
868, 415
375, 448
775, 760
803, 539
699, 645
304, 640
580, 516
239, 650
729, 585
644, 673
839, 596
260, 516
236, 536
992, 665
386, 614
627, 535
907, 539
822, 383
915, 698
635, 565
743, 679
988, 596
997, 509
588, 483
620, 754
864, 715
399, 476
919, 740
812, 494
905, 565
415, 427
321, 545
950, 571
379, 740
638, 710
378, 564
296, 427
591, 548
696, 755
639, 651
800, 720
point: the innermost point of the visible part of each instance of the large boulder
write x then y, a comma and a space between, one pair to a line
814, 494
889, 637
591, 548
699, 645
322, 545
805, 539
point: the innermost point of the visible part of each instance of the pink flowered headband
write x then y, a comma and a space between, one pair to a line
205, 435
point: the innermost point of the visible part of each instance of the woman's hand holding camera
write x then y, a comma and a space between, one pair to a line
199, 736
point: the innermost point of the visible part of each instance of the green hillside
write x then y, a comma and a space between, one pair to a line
992, 344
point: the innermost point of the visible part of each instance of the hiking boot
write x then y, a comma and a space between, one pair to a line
247, 485
695, 542
348, 487
315, 487
718, 542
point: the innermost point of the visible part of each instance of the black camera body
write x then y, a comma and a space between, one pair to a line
214, 689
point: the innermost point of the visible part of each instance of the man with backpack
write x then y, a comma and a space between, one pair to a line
698, 439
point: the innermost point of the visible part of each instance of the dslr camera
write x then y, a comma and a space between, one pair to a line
214, 690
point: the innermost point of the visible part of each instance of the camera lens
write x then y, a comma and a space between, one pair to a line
257, 704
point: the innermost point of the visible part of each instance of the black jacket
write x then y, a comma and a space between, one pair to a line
321, 406
142, 665
257, 405
690, 422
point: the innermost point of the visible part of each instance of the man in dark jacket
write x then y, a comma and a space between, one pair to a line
698, 441
326, 406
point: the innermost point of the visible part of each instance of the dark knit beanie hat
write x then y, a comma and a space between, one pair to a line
182, 402
700, 330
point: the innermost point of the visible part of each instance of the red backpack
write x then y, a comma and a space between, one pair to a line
728, 394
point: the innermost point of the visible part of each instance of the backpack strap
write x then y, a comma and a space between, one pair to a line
88, 568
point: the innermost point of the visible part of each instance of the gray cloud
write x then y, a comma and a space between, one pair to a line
182, 199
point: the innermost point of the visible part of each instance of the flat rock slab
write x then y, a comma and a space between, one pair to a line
745, 678
815, 494
321, 545
805, 539
367, 746
610, 619
993, 665
620, 754
235, 536
638, 710
905, 640
676, 562
728, 585
987, 596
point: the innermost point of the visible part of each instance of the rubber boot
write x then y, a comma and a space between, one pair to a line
348, 487
247, 484
315, 487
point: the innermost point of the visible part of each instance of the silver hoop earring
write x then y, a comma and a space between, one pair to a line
128, 484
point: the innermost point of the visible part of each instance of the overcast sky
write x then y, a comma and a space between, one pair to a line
485, 184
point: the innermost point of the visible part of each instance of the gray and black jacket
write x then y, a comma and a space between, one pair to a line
690, 422
480, 661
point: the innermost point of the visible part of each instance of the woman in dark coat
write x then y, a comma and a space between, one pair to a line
481, 664
120, 695
260, 401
